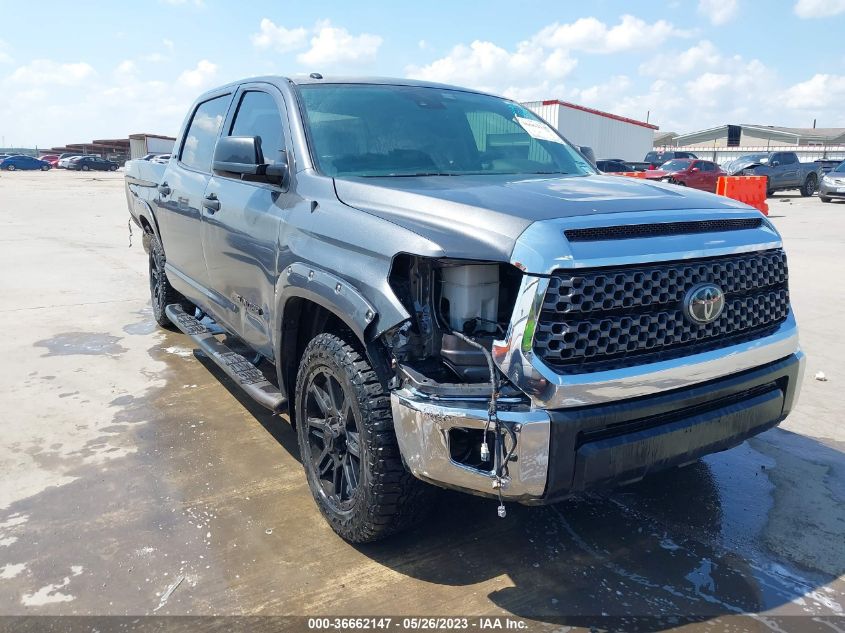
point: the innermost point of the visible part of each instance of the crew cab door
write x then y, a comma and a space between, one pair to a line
789, 169
180, 196
241, 237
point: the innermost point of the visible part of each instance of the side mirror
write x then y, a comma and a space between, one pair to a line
775, 163
589, 154
694, 169
242, 155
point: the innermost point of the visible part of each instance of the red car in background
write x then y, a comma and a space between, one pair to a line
687, 172
53, 159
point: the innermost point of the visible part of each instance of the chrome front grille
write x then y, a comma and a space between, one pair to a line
609, 317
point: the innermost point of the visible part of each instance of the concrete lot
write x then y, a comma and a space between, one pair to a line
129, 466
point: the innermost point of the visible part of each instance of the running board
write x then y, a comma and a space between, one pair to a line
247, 376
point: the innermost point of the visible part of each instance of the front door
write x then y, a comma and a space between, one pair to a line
180, 195
241, 237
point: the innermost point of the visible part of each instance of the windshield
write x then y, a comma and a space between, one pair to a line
840, 168
754, 158
676, 165
383, 130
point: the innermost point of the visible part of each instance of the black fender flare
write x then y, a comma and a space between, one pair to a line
336, 295
328, 290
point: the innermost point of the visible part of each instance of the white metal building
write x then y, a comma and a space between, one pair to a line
610, 135
142, 144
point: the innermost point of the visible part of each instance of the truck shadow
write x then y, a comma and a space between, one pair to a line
717, 538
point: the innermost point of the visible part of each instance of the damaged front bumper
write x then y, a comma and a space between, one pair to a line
566, 450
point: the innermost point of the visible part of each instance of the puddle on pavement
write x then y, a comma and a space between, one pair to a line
84, 343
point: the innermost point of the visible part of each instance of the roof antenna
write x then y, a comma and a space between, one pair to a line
315, 76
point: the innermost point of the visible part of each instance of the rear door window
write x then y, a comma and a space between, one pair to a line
201, 137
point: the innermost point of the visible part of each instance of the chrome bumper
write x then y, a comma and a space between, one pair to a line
422, 429
555, 454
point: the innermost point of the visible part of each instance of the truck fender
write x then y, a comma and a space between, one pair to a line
146, 217
336, 295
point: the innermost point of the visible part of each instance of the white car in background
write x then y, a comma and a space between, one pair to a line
161, 159
64, 162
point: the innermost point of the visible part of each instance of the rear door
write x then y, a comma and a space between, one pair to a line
708, 175
789, 164
180, 197
241, 237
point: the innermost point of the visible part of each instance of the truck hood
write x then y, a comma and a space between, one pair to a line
480, 217
736, 166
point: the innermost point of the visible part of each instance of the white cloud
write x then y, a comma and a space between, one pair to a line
535, 67
593, 36
819, 92
818, 8
199, 76
45, 71
280, 39
489, 67
702, 56
333, 45
718, 11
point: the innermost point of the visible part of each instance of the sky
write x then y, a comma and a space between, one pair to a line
74, 71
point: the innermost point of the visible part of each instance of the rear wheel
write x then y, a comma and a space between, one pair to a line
161, 292
810, 185
85, 168
45, 168
348, 444
113, 168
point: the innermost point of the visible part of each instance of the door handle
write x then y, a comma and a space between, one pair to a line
211, 203
163, 189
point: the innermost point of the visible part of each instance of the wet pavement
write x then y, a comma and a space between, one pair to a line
137, 480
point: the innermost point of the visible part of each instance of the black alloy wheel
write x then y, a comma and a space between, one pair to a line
333, 440
810, 185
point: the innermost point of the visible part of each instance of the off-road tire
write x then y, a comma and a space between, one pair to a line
809, 187
387, 498
162, 293
824, 198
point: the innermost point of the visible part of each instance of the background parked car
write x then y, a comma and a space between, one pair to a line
161, 159
53, 159
833, 184
64, 160
695, 173
656, 159
92, 163
613, 165
21, 162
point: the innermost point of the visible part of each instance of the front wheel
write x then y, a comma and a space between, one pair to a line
113, 168
348, 445
85, 168
810, 185
11, 168
45, 168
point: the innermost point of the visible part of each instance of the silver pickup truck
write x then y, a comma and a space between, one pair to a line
782, 170
441, 291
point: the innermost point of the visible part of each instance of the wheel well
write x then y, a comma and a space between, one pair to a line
146, 226
303, 320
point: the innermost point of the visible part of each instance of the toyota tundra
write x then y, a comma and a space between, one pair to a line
441, 291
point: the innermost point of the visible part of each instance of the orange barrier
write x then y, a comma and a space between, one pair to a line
748, 189
630, 174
